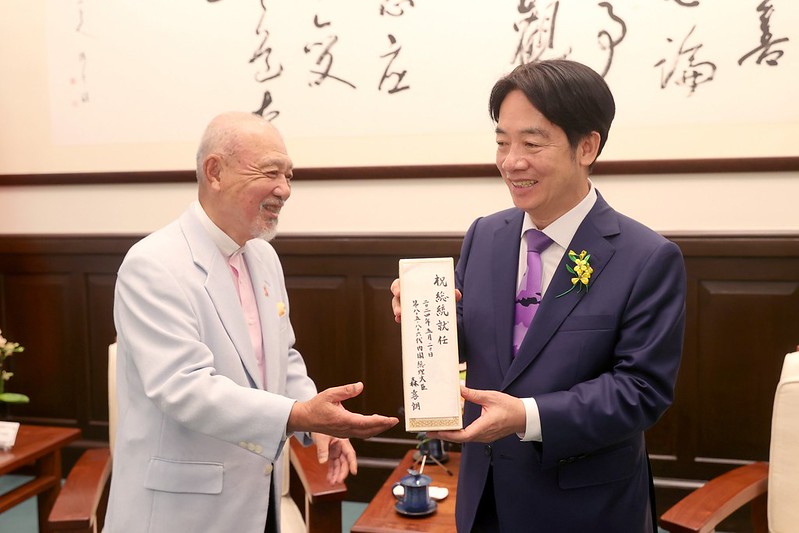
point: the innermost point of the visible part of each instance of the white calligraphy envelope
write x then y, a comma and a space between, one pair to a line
430, 372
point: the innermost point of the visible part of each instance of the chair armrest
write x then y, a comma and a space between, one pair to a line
313, 475
703, 509
80, 505
318, 501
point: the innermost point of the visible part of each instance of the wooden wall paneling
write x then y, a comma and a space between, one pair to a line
383, 364
99, 331
320, 316
738, 373
64, 321
742, 300
56, 298
372, 337
37, 315
745, 316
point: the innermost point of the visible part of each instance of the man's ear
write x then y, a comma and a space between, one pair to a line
212, 168
588, 149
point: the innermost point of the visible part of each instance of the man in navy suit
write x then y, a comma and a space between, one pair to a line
554, 434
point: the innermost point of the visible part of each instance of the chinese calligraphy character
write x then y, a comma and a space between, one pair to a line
766, 39
537, 30
264, 51
266, 71
325, 58
80, 82
267, 101
694, 73
80, 16
610, 43
393, 8
387, 74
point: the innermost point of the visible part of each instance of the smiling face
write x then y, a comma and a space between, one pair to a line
546, 176
247, 180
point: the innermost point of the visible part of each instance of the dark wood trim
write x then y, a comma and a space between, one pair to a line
35, 244
697, 166
644, 166
692, 245
732, 246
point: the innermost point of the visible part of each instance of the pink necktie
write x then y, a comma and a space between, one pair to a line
529, 295
241, 276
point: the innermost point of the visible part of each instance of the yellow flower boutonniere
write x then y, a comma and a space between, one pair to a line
581, 271
281, 309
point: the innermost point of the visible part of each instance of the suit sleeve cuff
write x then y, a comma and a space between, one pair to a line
533, 424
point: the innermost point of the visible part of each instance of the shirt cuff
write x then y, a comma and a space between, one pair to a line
533, 423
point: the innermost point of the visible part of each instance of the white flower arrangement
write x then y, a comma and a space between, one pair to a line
7, 349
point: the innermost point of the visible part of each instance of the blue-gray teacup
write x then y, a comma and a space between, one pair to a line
416, 496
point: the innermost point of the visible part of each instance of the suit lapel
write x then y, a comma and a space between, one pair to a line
592, 237
221, 290
505, 269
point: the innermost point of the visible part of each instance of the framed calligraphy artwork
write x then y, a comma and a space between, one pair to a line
402, 84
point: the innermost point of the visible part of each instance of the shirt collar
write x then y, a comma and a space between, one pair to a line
226, 245
562, 230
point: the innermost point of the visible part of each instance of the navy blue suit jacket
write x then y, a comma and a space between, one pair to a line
601, 365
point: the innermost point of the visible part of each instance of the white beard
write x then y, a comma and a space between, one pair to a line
267, 233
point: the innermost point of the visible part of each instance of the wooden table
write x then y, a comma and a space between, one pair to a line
39, 447
381, 517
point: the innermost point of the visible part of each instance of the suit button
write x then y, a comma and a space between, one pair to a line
488, 450
251, 446
243, 444
268, 469
258, 449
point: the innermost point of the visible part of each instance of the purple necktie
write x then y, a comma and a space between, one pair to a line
529, 294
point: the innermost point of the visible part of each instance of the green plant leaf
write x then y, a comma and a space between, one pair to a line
13, 397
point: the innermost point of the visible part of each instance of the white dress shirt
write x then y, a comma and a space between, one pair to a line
561, 231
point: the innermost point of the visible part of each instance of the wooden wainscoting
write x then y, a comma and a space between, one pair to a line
56, 296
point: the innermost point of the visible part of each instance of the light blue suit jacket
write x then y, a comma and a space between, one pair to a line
199, 434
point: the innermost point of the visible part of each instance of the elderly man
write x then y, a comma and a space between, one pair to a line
209, 383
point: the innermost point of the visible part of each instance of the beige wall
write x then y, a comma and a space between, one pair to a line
747, 202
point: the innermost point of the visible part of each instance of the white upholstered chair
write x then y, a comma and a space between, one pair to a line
307, 504
772, 488
112, 394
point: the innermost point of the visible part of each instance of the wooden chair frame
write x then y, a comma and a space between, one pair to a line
705, 508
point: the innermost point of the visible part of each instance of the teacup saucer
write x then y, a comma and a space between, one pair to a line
400, 507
